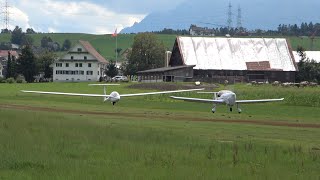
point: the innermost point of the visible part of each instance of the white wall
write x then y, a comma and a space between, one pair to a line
1, 69
95, 67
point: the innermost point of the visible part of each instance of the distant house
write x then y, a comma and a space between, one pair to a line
200, 31
232, 59
4, 59
81, 63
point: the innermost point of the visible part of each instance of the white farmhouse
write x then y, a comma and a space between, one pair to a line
81, 63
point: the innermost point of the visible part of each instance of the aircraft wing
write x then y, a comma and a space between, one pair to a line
217, 101
258, 101
66, 94
161, 92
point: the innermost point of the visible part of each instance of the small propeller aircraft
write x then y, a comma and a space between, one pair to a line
114, 97
225, 97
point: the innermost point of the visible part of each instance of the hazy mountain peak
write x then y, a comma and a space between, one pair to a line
256, 14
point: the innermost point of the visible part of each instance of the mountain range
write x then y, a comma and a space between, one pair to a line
255, 14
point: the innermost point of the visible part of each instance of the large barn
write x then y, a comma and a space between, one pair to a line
234, 59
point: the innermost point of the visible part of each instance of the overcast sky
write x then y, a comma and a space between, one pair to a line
84, 16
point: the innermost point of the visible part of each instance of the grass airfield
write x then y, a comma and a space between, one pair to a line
154, 137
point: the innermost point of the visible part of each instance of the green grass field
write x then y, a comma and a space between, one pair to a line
105, 44
154, 137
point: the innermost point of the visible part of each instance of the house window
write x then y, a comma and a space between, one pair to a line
67, 64
98, 72
81, 72
89, 65
79, 49
89, 72
58, 64
80, 64
85, 58
71, 57
77, 65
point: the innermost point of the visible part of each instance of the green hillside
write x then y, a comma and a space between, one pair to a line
105, 44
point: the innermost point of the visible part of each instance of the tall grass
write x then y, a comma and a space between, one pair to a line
60, 146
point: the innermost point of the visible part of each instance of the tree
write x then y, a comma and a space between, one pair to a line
26, 40
45, 41
30, 31
17, 35
301, 53
309, 70
27, 64
45, 60
66, 45
118, 50
11, 64
147, 53
111, 70
5, 31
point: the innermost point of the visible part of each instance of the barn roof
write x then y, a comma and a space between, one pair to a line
235, 53
164, 69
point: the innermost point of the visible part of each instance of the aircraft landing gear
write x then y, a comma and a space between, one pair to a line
213, 109
239, 110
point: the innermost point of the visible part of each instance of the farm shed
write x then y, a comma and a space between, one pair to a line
235, 59
167, 74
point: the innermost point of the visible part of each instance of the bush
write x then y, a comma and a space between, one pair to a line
21, 81
2, 80
10, 80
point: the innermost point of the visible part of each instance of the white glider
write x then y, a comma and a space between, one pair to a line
114, 97
225, 97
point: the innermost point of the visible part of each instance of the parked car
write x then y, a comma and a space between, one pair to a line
119, 78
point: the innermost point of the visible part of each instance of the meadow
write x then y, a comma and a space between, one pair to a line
105, 44
155, 137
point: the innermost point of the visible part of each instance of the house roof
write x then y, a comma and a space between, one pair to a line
93, 51
164, 69
4, 53
235, 53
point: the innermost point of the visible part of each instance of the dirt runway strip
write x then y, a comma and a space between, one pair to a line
161, 117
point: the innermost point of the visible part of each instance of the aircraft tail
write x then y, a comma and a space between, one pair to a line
104, 89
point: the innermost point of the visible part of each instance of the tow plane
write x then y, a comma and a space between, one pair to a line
114, 97
225, 97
